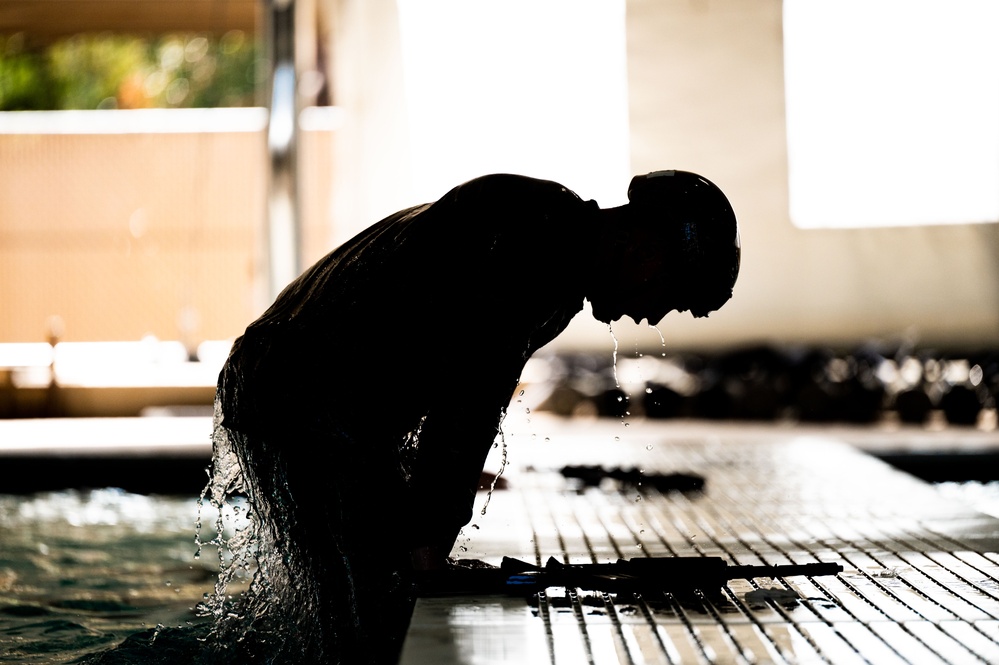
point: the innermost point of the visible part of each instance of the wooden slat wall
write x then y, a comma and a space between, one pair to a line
125, 235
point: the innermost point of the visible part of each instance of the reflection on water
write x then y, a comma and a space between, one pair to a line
82, 571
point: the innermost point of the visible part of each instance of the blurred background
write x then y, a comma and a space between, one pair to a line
167, 166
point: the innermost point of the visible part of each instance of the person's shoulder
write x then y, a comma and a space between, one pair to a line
504, 185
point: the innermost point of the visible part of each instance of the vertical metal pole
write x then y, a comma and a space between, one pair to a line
283, 213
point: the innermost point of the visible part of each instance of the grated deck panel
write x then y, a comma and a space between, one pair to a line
920, 585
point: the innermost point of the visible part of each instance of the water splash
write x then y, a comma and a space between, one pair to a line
236, 537
309, 593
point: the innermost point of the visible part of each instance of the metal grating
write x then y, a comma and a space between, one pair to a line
920, 585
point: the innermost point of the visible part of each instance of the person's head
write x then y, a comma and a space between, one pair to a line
679, 249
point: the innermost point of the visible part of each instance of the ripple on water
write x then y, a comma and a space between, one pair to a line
81, 572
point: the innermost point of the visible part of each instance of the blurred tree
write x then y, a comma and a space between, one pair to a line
25, 83
100, 71
89, 69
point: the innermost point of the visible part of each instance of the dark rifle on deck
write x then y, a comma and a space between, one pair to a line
640, 575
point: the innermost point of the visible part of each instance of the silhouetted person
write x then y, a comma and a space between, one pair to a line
361, 406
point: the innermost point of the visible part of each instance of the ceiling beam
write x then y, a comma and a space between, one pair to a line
44, 21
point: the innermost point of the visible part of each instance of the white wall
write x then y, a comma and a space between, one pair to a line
705, 82
707, 95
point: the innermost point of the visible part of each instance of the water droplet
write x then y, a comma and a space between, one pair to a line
640, 546
617, 438
610, 329
627, 424
649, 447
521, 393
648, 391
638, 498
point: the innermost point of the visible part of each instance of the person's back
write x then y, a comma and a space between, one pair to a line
479, 270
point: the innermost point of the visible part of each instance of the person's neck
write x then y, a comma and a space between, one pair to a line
603, 244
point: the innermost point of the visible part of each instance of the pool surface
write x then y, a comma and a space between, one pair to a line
82, 571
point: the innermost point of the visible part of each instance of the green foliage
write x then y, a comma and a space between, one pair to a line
24, 86
93, 71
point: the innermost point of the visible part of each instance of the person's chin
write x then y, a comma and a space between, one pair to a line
606, 316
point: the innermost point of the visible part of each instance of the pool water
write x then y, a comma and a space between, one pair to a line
80, 572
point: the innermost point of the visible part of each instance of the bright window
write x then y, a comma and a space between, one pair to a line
892, 111
537, 87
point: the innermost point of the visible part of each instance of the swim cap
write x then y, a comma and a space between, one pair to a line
698, 220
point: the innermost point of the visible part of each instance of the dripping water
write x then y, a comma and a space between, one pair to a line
610, 329
503, 460
662, 338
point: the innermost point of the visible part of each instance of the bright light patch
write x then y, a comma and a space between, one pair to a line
536, 87
892, 111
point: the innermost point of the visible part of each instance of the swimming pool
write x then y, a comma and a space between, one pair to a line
81, 571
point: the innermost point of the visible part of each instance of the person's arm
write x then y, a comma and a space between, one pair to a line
455, 440
513, 289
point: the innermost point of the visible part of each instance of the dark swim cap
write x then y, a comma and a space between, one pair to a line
700, 222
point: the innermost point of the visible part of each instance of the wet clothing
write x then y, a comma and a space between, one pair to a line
389, 362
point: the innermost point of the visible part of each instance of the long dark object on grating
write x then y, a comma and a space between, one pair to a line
648, 574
